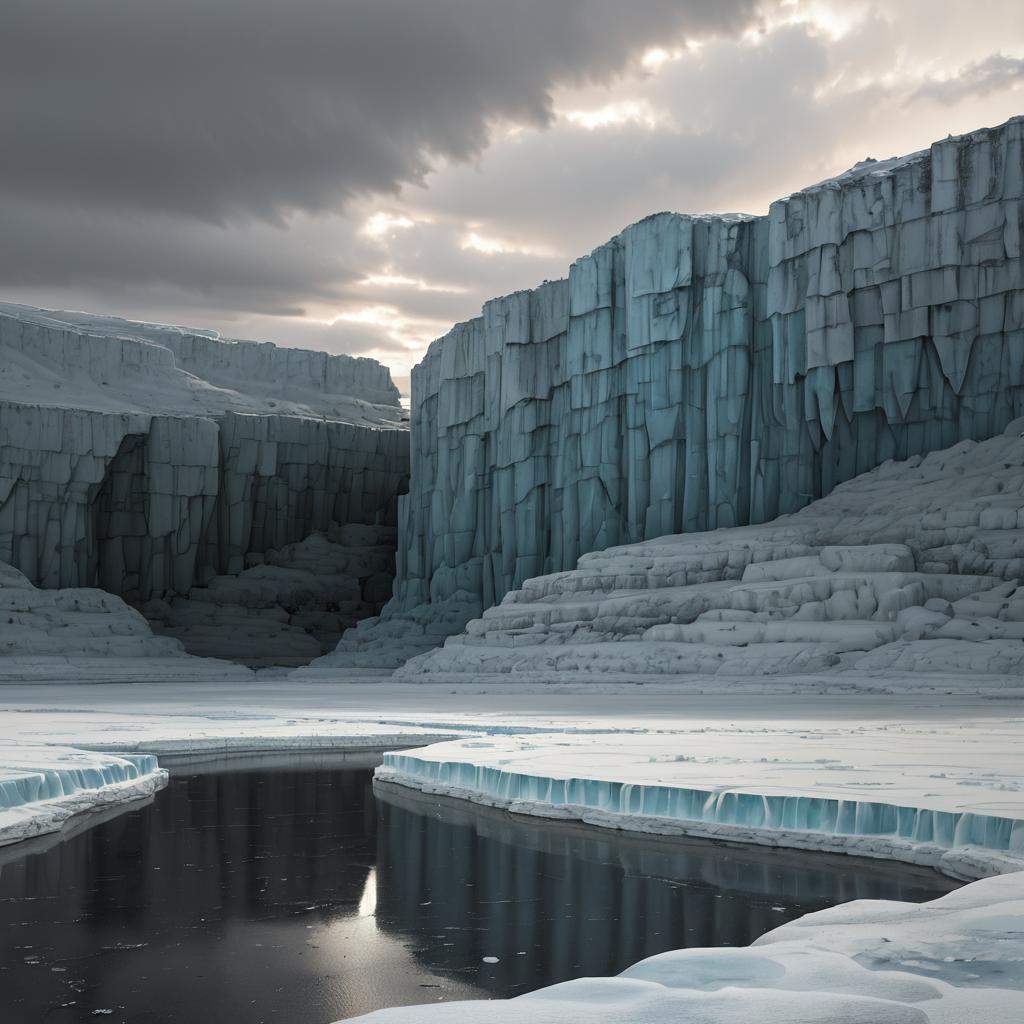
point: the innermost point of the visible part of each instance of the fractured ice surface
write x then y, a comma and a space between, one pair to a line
704, 372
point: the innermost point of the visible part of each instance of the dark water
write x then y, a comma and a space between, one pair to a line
295, 896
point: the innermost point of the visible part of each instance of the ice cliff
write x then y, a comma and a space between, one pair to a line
704, 372
148, 460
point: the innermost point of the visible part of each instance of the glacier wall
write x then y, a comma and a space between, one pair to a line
122, 466
705, 372
142, 505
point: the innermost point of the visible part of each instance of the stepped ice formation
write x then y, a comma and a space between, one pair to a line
954, 959
78, 634
714, 371
150, 460
907, 576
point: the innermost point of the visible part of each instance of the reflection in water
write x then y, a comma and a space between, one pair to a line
291, 895
554, 902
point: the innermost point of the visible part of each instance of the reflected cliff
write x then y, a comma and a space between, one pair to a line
555, 901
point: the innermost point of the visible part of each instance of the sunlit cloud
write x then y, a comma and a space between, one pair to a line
383, 223
614, 114
832, 20
416, 283
492, 246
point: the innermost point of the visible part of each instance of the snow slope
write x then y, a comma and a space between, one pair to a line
905, 577
958, 958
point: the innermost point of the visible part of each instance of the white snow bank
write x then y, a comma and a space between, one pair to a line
958, 958
43, 787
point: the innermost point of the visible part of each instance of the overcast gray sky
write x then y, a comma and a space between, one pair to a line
356, 175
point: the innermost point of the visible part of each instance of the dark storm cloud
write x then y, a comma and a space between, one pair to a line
236, 109
255, 266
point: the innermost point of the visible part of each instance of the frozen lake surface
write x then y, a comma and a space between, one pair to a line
296, 894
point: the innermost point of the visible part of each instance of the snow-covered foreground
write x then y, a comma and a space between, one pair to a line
961, 958
956, 959
955, 761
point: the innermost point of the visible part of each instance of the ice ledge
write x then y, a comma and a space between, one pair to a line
961, 844
43, 788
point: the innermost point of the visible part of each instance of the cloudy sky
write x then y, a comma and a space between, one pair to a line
356, 175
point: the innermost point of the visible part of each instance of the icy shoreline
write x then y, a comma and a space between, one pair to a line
946, 794
958, 845
42, 789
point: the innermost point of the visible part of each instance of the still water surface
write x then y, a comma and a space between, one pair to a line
296, 896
